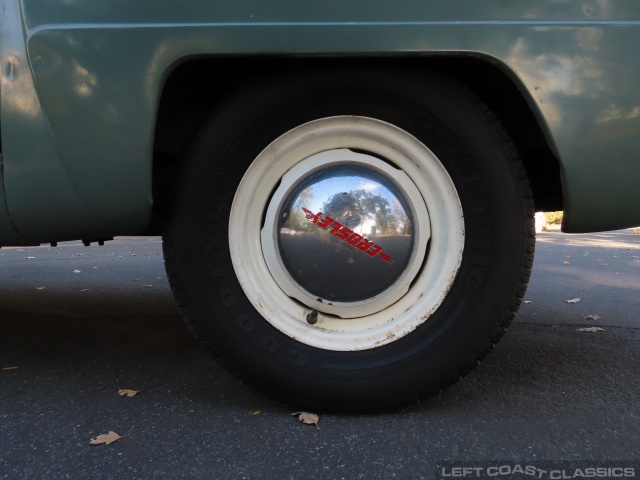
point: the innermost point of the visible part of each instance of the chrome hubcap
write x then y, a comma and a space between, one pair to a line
341, 230
345, 233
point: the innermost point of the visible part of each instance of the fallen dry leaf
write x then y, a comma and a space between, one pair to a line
105, 438
257, 412
590, 329
307, 418
573, 300
123, 392
9, 368
591, 317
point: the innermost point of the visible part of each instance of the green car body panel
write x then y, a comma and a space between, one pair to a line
81, 84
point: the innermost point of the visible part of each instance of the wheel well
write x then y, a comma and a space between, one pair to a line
194, 88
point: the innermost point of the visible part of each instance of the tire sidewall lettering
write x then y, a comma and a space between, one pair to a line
269, 343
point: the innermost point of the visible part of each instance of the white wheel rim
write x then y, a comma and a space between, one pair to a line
399, 310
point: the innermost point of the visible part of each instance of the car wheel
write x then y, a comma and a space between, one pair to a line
351, 240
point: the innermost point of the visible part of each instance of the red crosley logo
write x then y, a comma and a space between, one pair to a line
347, 235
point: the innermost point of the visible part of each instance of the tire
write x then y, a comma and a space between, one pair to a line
457, 176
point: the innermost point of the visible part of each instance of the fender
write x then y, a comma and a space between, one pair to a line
46, 196
78, 134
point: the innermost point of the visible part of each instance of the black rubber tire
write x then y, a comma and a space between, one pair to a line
499, 241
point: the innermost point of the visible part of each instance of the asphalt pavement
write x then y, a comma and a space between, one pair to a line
78, 323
